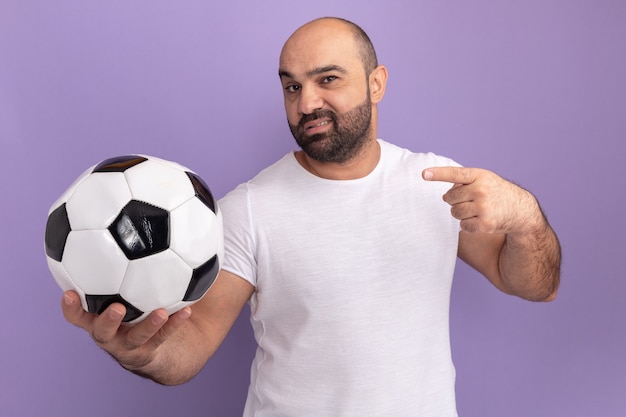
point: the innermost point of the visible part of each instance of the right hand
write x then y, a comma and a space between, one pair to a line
134, 347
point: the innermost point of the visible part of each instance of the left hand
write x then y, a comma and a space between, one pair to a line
485, 202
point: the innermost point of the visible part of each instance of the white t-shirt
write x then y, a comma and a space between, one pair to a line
353, 278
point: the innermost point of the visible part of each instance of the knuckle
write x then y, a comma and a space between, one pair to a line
159, 337
489, 225
451, 195
456, 212
99, 339
481, 192
129, 344
482, 208
465, 175
469, 226
134, 341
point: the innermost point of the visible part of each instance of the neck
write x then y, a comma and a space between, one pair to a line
358, 167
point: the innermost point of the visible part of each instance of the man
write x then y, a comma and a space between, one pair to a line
345, 251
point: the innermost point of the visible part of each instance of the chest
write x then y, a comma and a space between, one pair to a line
352, 239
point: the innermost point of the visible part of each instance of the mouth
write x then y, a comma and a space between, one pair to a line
316, 126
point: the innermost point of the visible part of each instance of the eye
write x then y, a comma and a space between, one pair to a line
292, 88
329, 79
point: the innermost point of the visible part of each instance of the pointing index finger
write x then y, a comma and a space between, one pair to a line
455, 175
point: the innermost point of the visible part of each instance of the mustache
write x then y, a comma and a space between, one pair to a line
317, 114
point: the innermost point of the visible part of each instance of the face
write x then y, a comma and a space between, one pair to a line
341, 140
327, 98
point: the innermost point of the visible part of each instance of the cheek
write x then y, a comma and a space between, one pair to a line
342, 104
291, 110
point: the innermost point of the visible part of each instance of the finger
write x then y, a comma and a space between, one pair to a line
106, 325
463, 211
177, 319
174, 322
458, 193
455, 175
470, 225
141, 333
478, 224
73, 311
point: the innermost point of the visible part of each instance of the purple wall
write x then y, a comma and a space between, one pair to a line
535, 90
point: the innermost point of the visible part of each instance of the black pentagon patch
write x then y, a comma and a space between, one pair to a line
141, 229
201, 279
119, 163
57, 230
202, 191
98, 303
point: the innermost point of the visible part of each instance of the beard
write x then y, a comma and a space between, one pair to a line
349, 133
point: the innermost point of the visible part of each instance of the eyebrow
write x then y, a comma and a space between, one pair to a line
314, 71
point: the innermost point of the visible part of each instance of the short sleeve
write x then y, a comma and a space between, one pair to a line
239, 242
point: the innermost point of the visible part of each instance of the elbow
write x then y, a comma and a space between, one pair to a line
548, 298
166, 381
545, 292
548, 293
552, 295
553, 287
539, 297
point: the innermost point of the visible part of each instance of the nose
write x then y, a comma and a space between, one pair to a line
309, 100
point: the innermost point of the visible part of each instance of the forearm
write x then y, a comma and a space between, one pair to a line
167, 349
530, 262
504, 233
177, 360
184, 345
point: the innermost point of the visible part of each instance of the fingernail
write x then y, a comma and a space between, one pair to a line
158, 319
68, 300
185, 313
115, 313
428, 175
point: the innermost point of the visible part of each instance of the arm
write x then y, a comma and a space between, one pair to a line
169, 350
504, 233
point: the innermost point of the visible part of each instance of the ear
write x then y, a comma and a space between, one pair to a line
378, 83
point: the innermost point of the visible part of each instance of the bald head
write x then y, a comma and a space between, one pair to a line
335, 29
332, 85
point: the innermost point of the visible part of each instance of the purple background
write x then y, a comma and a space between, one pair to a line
534, 90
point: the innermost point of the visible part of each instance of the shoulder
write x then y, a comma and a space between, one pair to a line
400, 162
405, 167
399, 156
279, 178
268, 175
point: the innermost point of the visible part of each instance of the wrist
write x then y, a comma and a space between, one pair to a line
531, 217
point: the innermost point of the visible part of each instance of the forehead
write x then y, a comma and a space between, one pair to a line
319, 47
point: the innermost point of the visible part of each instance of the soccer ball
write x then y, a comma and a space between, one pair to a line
136, 230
